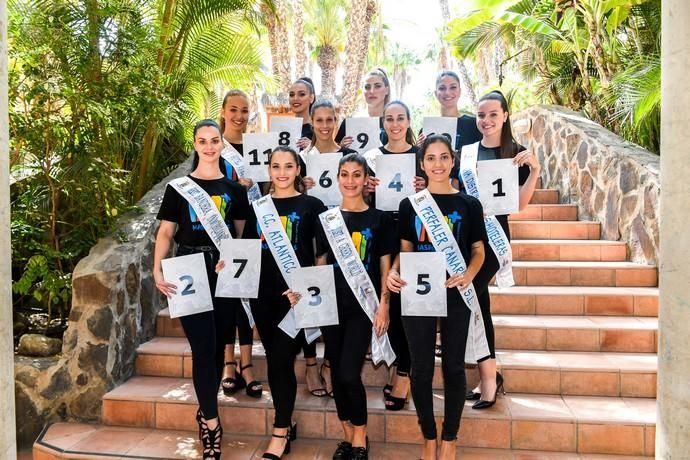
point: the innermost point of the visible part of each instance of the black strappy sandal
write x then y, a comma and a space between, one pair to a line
232, 385
289, 436
254, 388
210, 439
318, 392
393, 403
327, 365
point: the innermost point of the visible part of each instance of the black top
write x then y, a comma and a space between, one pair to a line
467, 132
300, 218
464, 215
225, 166
372, 235
229, 197
307, 130
418, 172
342, 130
303, 164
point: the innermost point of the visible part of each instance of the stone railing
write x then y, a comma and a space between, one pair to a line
114, 309
611, 180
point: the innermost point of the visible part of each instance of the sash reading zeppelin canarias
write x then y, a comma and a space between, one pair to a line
357, 278
497, 237
232, 156
443, 241
284, 255
210, 219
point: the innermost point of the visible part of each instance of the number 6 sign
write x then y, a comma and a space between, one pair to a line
193, 291
366, 132
317, 307
499, 191
323, 168
425, 293
240, 276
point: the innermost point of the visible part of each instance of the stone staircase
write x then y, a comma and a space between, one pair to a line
577, 340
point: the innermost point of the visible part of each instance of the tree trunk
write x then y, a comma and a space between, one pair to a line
300, 47
327, 60
282, 43
356, 50
270, 22
462, 70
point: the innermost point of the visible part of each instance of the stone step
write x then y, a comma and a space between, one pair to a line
68, 440
576, 333
518, 421
554, 230
569, 250
618, 274
575, 300
545, 196
573, 373
565, 212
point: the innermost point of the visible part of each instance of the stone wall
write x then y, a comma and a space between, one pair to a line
114, 309
611, 180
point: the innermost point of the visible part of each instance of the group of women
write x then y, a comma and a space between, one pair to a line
414, 339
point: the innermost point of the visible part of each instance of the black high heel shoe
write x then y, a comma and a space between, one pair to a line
254, 388
290, 436
360, 453
231, 385
483, 404
394, 403
210, 438
472, 396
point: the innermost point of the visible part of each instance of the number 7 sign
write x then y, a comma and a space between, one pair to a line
499, 191
240, 276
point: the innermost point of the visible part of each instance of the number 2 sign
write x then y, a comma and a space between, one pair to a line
193, 291
425, 293
366, 132
240, 276
317, 307
499, 191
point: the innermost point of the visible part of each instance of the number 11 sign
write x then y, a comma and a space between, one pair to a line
499, 191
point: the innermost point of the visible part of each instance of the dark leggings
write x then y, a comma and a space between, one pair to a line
309, 349
281, 350
346, 345
396, 334
421, 335
244, 330
481, 285
206, 333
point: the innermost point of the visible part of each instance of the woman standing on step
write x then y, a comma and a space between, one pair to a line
301, 97
298, 223
234, 116
179, 222
493, 121
464, 216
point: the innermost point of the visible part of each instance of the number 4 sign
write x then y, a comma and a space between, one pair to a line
396, 172
240, 276
499, 191
425, 293
193, 291
317, 307
366, 132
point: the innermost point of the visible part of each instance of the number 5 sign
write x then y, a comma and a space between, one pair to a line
240, 276
323, 168
499, 191
366, 132
425, 293
317, 307
193, 291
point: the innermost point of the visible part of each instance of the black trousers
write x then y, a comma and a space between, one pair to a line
396, 334
281, 350
207, 335
244, 330
346, 346
481, 285
421, 335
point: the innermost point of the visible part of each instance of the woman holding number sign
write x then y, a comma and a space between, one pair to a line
493, 121
301, 97
463, 216
206, 332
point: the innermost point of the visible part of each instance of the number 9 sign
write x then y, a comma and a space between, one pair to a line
366, 132
318, 306
193, 291
425, 293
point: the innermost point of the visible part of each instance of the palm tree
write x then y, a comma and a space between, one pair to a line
462, 70
401, 60
325, 30
300, 45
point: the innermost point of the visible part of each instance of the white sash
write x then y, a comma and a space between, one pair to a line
210, 219
370, 156
357, 278
497, 237
284, 255
443, 241
232, 156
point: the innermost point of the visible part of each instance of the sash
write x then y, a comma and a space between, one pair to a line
284, 255
210, 219
497, 237
232, 156
443, 241
370, 156
357, 278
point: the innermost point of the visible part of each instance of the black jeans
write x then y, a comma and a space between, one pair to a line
207, 335
481, 285
396, 334
421, 335
346, 346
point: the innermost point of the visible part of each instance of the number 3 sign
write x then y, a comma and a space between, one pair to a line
193, 291
499, 191
240, 277
317, 307
425, 293
366, 132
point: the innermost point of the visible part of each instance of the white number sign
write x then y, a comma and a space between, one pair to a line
396, 175
425, 293
318, 306
323, 169
240, 277
289, 130
366, 132
257, 147
447, 126
499, 191
193, 294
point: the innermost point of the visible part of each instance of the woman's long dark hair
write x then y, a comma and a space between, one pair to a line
409, 135
299, 183
228, 95
207, 123
433, 139
306, 81
321, 103
509, 146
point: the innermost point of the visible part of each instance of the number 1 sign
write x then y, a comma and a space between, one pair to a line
366, 132
193, 292
425, 293
317, 307
240, 277
499, 191
257, 147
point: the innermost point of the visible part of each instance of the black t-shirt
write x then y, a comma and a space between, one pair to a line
373, 236
300, 218
229, 197
342, 130
465, 218
418, 172
303, 164
225, 166
468, 133
307, 130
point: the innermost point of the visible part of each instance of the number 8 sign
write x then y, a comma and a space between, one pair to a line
289, 130
425, 293
317, 307
499, 191
193, 291
240, 276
